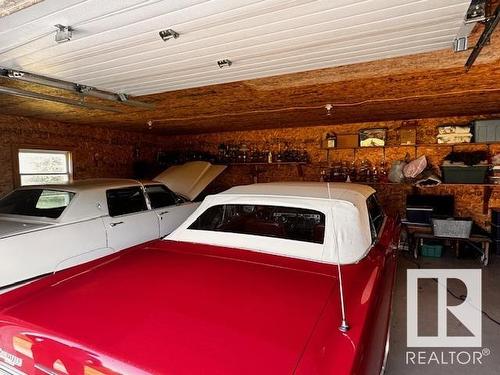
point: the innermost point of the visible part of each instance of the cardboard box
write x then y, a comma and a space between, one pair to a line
347, 141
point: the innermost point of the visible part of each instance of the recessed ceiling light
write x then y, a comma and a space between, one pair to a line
226, 63
63, 33
168, 34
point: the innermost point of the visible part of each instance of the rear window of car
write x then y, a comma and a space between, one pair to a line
125, 201
291, 223
36, 202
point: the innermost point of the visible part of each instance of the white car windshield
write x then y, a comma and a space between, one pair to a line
36, 202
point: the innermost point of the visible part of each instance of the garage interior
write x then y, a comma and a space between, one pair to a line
269, 88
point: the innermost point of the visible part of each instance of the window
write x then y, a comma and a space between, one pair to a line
125, 201
269, 221
37, 167
36, 202
376, 215
160, 196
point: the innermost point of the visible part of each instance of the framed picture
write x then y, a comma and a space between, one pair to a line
372, 137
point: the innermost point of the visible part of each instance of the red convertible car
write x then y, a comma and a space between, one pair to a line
281, 278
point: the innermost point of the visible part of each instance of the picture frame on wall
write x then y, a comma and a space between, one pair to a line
372, 137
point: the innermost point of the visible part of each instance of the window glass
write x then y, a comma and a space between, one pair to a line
38, 167
53, 199
376, 215
160, 196
125, 201
269, 221
43, 179
36, 202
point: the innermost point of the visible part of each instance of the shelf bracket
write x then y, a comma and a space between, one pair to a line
486, 198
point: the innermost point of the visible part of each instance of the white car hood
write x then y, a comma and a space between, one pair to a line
191, 178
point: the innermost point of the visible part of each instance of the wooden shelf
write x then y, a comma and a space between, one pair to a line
431, 186
273, 163
417, 145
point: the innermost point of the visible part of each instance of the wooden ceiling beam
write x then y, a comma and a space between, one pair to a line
8, 7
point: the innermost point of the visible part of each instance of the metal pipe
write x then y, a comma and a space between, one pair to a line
35, 95
20, 75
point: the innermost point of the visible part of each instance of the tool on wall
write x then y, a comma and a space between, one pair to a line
490, 23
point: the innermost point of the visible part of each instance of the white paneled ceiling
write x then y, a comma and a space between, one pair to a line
116, 45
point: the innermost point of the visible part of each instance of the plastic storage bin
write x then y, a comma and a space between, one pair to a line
431, 250
487, 130
464, 175
455, 228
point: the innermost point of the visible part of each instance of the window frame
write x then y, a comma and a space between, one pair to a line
28, 188
375, 236
263, 237
177, 199
143, 194
40, 150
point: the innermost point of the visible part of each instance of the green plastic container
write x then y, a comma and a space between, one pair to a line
432, 250
464, 175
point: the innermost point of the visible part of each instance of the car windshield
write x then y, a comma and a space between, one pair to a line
292, 223
36, 202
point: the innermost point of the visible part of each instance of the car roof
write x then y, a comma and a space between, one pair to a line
88, 184
345, 191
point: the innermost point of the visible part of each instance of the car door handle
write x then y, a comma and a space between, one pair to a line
116, 223
163, 213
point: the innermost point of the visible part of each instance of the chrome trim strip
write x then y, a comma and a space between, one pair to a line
5, 369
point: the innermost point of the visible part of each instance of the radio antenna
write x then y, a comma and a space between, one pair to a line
344, 326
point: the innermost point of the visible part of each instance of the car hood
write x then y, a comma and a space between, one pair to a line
10, 227
177, 308
191, 178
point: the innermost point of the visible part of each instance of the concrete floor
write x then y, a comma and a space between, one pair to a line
427, 296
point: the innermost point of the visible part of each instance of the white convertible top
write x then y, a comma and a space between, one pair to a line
320, 190
347, 227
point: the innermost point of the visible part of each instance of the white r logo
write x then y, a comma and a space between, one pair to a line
468, 312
